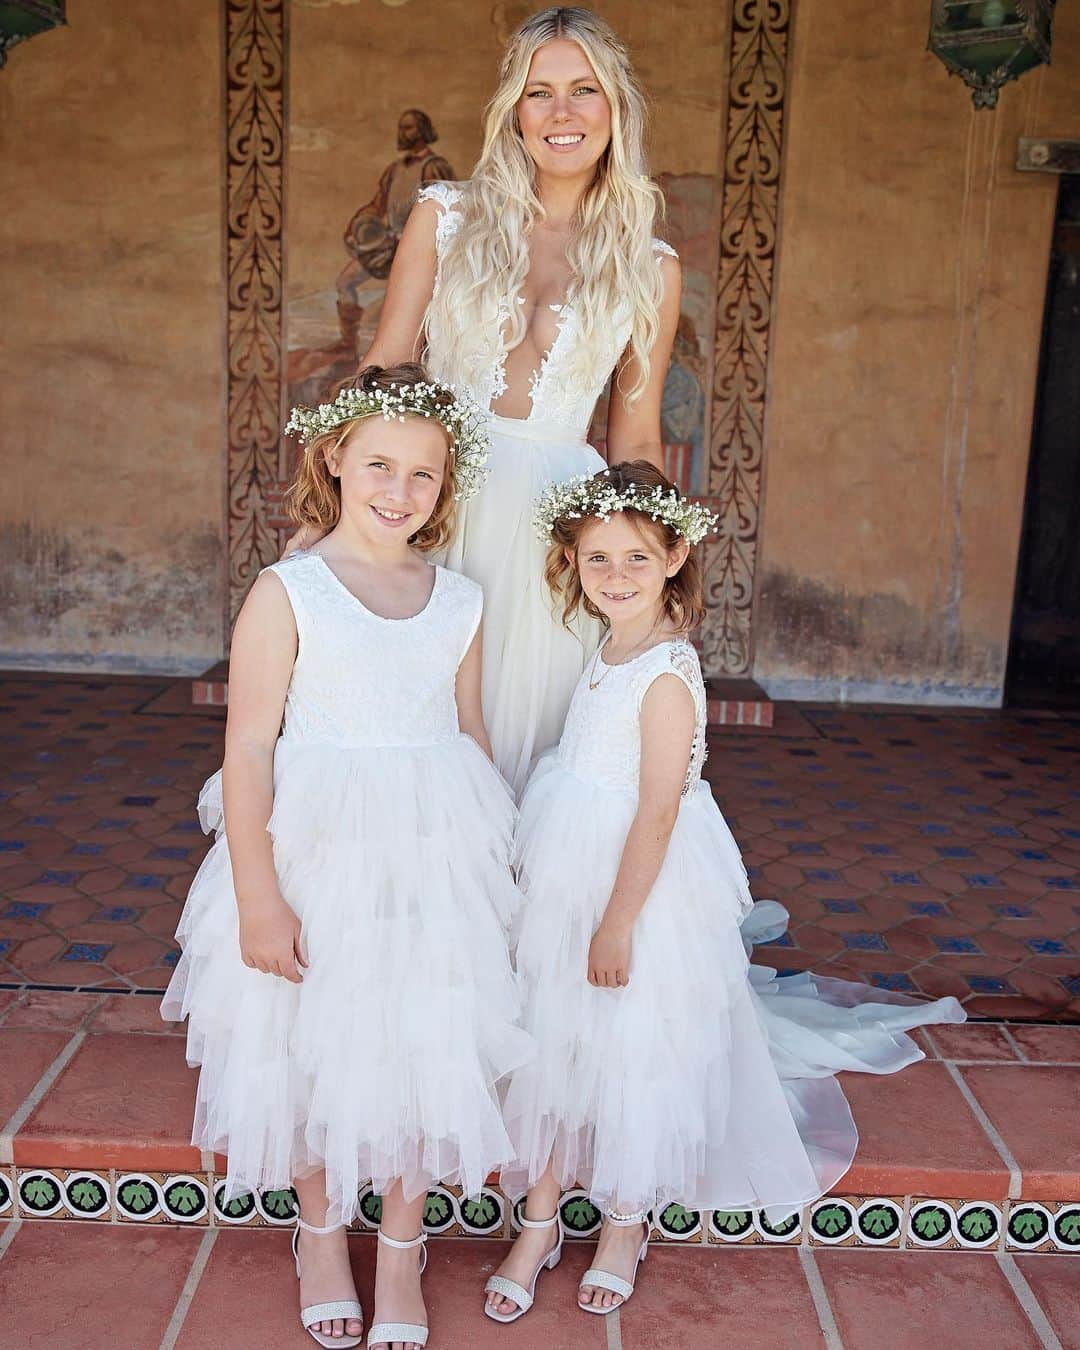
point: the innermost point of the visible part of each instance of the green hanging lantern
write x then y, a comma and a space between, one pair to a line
990, 42
22, 19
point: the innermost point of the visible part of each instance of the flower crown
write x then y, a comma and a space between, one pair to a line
463, 419
595, 495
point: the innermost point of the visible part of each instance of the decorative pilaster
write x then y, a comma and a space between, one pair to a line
255, 109
750, 197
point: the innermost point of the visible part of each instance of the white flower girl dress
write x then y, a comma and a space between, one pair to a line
704, 1081
391, 836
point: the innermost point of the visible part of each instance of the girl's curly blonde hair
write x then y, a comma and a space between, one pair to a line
314, 496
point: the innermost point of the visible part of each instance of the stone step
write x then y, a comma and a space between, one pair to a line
731, 702
975, 1147
211, 689
738, 702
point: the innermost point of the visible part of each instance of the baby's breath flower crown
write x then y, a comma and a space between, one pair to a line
463, 419
594, 495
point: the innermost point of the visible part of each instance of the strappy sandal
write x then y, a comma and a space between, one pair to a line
602, 1279
499, 1284
346, 1309
385, 1333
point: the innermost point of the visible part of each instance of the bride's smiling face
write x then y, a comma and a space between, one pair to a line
564, 115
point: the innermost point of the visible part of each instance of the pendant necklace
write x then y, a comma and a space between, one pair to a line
596, 683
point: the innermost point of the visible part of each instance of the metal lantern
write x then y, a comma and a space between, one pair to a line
22, 19
990, 42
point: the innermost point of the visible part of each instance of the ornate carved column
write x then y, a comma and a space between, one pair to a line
255, 110
750, 197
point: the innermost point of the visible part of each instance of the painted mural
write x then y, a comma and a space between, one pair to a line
370, 240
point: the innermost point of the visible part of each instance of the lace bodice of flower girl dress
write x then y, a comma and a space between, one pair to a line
601, 742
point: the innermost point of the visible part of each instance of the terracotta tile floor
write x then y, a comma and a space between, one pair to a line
99, 1081
924, 850
135, 1289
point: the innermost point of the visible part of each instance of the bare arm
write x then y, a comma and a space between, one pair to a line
668, 720
467, 690
634, 432
260, 665
408, 291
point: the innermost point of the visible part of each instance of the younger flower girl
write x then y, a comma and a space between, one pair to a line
345, 969
667, 1070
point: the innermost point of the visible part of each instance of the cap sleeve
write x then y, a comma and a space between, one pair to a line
680, 659
447, 197
663, 249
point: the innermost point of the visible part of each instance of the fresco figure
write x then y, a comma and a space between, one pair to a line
372, 235
371, 239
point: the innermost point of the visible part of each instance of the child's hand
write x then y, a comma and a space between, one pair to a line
609, 956
270, 938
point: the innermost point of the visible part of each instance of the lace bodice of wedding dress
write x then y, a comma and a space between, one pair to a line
563, 392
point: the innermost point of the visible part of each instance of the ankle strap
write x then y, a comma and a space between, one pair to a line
393, 1242
313, 1228
626, 1220
539, 1223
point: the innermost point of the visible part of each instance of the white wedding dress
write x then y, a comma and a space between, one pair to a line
705, 1081
391, 835
531, 662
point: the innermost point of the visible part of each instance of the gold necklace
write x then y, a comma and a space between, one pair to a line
595, 684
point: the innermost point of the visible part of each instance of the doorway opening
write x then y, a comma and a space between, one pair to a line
1044, 650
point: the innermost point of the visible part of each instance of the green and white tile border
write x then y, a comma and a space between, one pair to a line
903, 1222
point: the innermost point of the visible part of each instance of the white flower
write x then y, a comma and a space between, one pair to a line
463, 419
595, 495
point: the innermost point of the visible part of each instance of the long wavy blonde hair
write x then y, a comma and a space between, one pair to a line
610, 253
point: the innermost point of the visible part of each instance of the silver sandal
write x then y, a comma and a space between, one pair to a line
384, 1333
347, 1309
499, 1284
603, 1279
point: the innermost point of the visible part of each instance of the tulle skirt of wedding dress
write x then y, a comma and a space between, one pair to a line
531, 662
705, 1081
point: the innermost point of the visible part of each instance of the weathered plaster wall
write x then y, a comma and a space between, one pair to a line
910, 296
111, 366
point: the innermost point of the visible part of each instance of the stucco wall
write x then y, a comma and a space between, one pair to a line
909, 298
910, 295
111, 371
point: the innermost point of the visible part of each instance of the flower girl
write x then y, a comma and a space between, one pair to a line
667, 1071
345, 969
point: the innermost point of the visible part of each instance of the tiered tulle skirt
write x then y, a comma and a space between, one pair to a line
384, 1063
705, 1081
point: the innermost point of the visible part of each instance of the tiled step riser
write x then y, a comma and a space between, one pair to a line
897, 1222
721, 712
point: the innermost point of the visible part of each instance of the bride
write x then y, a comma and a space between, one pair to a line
530, 285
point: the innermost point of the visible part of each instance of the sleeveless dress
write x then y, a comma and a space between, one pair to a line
704, 1081
531, 662
391, 835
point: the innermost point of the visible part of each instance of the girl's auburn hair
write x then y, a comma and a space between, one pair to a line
314, 496
684, 593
